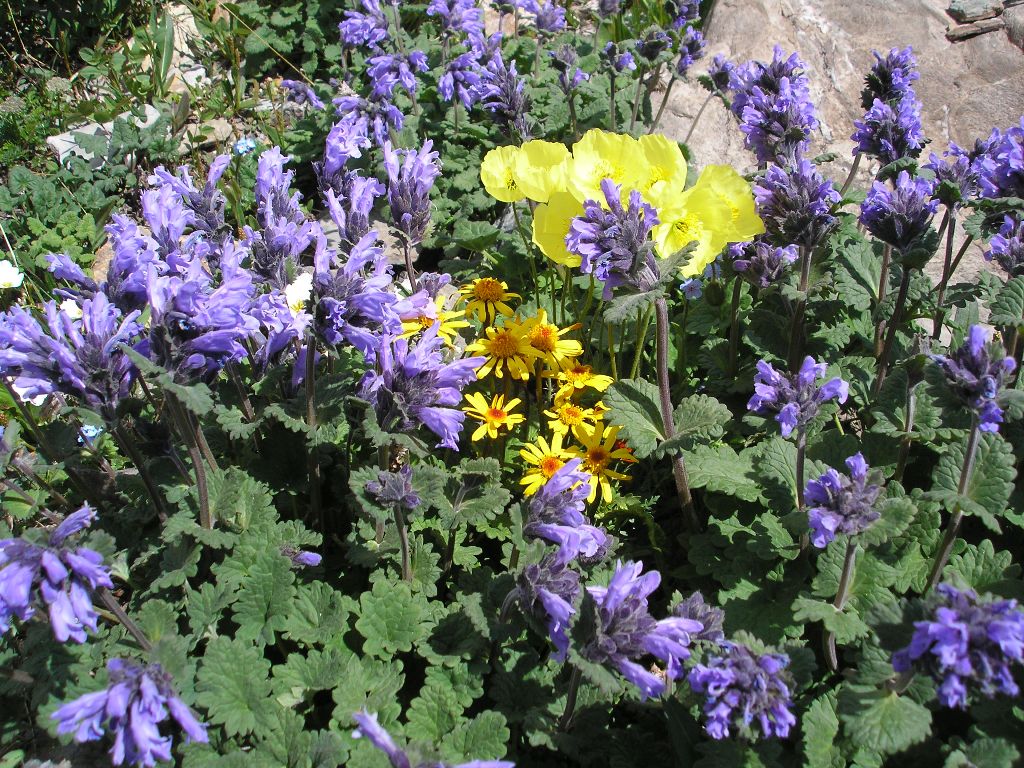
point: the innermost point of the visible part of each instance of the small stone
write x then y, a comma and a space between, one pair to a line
209, 134
965, 31
966, 11
1013, 19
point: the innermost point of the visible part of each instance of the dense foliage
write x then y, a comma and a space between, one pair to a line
474, 423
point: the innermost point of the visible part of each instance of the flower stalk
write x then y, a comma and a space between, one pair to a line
842, 593
312, 460
953, 528
570, 700
890, 337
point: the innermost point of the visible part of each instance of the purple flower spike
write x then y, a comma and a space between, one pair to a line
890, 77
652, 45
614, 242
301, 558
626, 631
207, 205
547, 590
502, 92
367, 28
761, 264
711, 618
842, 504
691, 49
975, 373
1007, 247
1001, 163
415, 387
411, 176
683, 12
388, 70
744, 689
570, 77
394, 489
795, 399
377, 111
346, 140
900, 216
968, 646
372, 730
556, 514
61, 578
132, 707
956, 176
461, 77
301, 93
890, 131
458, 17
721, 73
796, 204
616, 60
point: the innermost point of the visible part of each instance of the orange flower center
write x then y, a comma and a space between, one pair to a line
544, 337
504, 344
578, 375
488, 289
549, 465
597, 459
571, 415
496, 414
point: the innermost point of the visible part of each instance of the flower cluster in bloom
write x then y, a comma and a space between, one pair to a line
796, 205
132, 707
899, 216
1006, 248
745, 689
761, 264
967, 646
1001, 164
842, 504
55, 575
371, 729
712, 619
556, 513
794, 399
975, 373
891, 128
301, 93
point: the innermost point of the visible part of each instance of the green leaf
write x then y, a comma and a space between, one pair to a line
232, 685
265, 598
820, 727
1008, 306
474, 235
482, 738
897, 515
719, 468
633, 405
882, 721
625, 307
983, 569
195, 397
990, 485
846, 624
697, 418
985, 753
206, 607
391, 619
433, 714
318, 615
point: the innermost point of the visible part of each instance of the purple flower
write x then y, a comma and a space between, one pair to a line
564, 60
1001, 164
691, 48
462, 16
415, 387
691, 288
280, 327
388, 70
606, 8
301, 558
617, 60
134, 253
760, 263
350, 201
899, 217
79, 357
743, 688
654, 43
890, 78
411, 176
547, 591
555, 513
683, 12
51, 574
347, 139
956, 176
796, 204
625, 631
1007, 247
461, 76
614, 242
395, 490
548, 17
207, 205
135, 702
502, 92
712, 619
301, 93
795, 399
381, 739
890, 131
368, 27
721, 73
377, 111
353, 300
773, 105
975, 373
968, 646
842, 504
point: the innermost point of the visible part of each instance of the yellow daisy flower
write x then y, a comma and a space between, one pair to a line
449, 322
506, 349
599, 451
547, 339
544, 459
498, 175
486, 298
567, 416
578, 377
494, 417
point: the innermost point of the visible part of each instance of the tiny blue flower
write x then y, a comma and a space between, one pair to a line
691, 288
244, 146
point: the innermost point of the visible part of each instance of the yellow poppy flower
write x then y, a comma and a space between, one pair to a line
486, 298
449, 321
567, 416
599, 451
544, 459
497, 175
506, 349
719, 209
551, 224
547, 339
578, 377
666, 166
494, 417
540, 168
602, 155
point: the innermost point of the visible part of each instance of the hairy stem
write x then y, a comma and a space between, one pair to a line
796, 330
611, 104
637, 97
831, 657
908, 427
667, 417
131, 450
853, 172
119, 613
570, 699
188, 434
664, 103
408, 263
403, 540
883, 288
312, 460
697, 117
947, 263
890, 336
734, 327
642, 324
946, 548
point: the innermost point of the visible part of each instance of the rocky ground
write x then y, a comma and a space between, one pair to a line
967, 87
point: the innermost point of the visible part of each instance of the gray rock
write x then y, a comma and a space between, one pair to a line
966, 11
965, 31
1013, 20
207, 135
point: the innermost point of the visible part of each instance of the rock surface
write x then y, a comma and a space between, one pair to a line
966, 88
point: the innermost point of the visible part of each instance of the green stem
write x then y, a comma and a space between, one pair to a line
890, 336
642, 324
908, 427
403, 540
734, 327
946, 548
570, 699
696, 119
853, 172
664, 103
947, 262
796, 330
637, 96
612, 354
612, 122
125, 621
312, 460
125, 443
831, 657
883, 288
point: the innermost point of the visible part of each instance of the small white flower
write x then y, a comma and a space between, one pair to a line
299, 292
71, 308
10, 275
